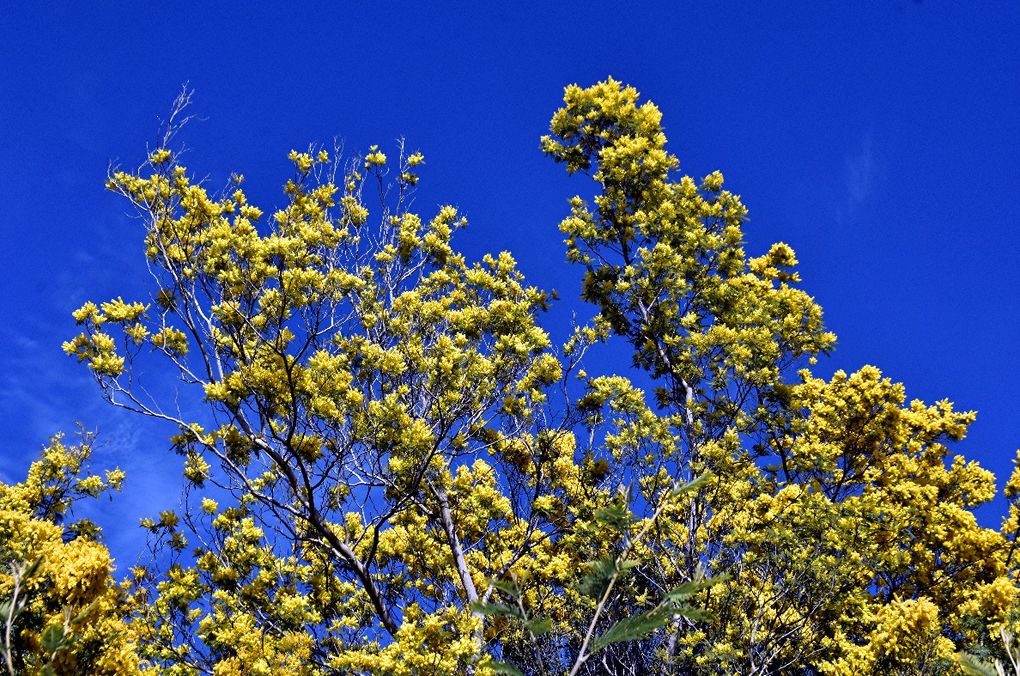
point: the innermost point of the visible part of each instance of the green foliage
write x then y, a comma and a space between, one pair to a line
973, 666
673, 606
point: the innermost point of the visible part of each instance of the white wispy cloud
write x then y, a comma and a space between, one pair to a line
860, 171
857, 180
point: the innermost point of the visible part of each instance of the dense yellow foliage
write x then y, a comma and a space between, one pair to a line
397, 472
846, 528
60, 572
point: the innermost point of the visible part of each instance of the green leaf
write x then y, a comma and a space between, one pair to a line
506, 587
692, 485
504, 668
594, 583
692, 613
628, 565
539, 626
53, 638
85, 611
684, 591
600, 572
636, 627
973, 666
615, 516
34, 567
688, 589
491, 609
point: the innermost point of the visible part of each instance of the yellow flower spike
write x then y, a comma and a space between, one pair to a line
160, 156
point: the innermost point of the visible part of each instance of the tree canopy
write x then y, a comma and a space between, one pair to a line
390, 468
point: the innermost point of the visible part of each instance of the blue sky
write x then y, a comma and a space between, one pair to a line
879, 139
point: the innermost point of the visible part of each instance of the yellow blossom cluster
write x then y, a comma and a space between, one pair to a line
65, 613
